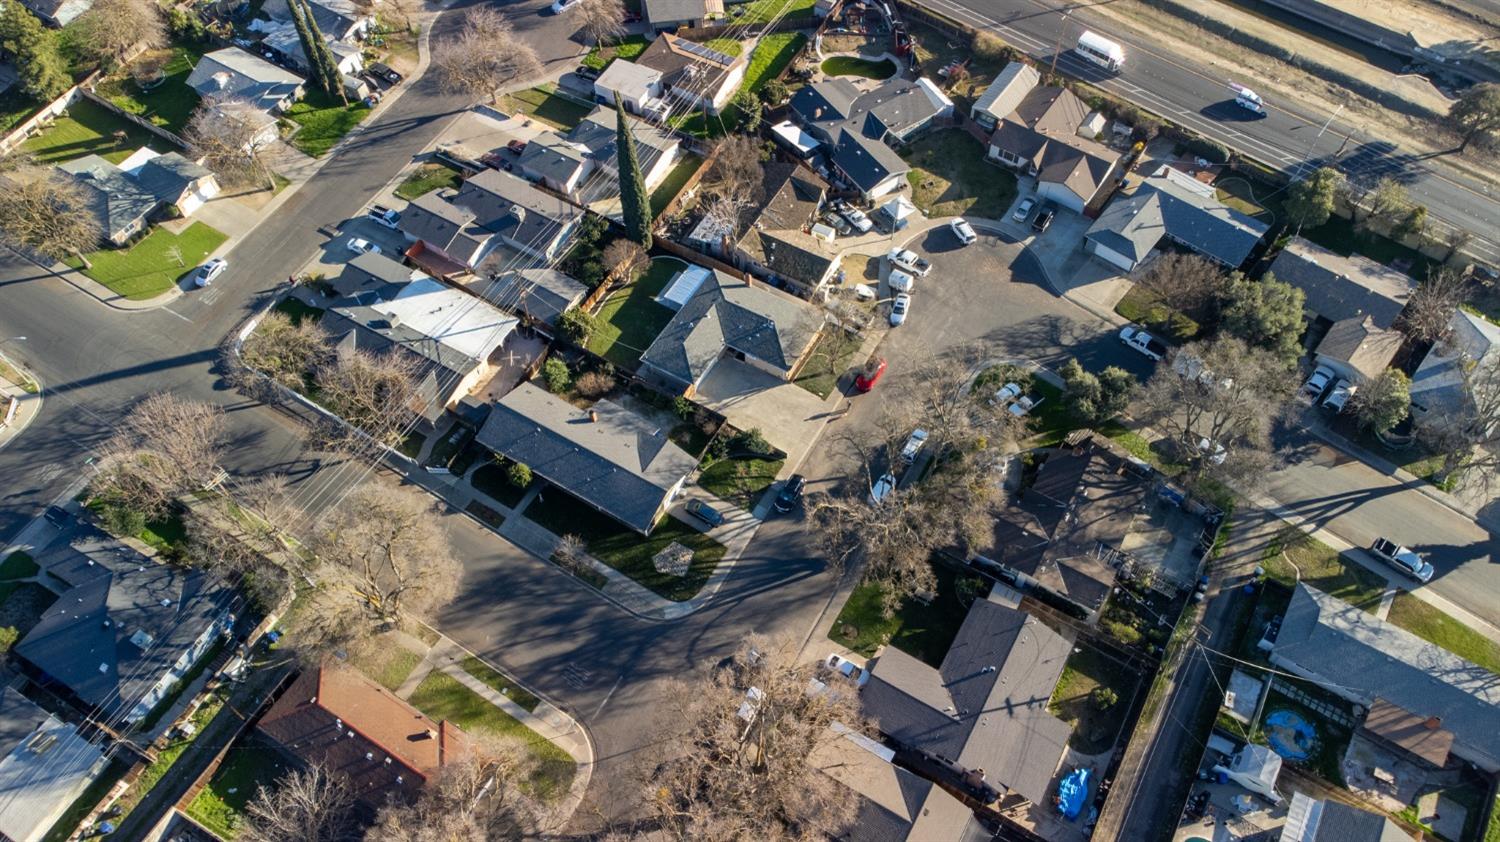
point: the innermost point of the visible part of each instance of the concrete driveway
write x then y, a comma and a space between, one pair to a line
788, 415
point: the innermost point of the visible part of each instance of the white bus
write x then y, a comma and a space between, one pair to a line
1101, 51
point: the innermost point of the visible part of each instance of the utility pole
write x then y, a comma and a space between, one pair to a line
1057, 47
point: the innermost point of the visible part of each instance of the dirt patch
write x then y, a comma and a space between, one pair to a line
23, 608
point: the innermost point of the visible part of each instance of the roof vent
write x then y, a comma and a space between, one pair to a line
1433, 723
338, 723
400, 779
104, 668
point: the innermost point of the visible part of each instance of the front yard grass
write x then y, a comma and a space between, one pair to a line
923, 630
88, 128
427, 178
853, 66
1434, 626
1321, 567
1094, 730
546, 104
1141, 307
18, 565
950, 177
503, 685
442, 697
146, 270
829, 360
628, 552
249, 765
740, 481
386, 661
764, 11
323, 122
670, 186
630, 318
170, 102
628, 48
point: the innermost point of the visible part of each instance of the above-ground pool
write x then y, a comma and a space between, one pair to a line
1289, 735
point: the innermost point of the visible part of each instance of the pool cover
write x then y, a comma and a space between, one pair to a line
1073, 793
1290, 736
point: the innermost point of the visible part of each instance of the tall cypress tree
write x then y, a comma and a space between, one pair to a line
325, 58
635, 202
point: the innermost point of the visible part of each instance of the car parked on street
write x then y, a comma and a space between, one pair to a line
1143, 342
899, 308
1023, 210
963, 230
913, 446
790, 496
1402, 559
1315, 384
359, 245
901, 281
882, 488
208, 272
704, 512
870, 375
908, 261
1339, 397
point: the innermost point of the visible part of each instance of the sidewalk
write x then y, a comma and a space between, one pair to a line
27, 397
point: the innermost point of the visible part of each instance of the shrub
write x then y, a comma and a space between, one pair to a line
577, 326
775, 92
518, 474
989, 47
753, 441
1123, 632
594, 384
555, 373
1104, 698
8, 636
1209, 150
682, 407
120, 519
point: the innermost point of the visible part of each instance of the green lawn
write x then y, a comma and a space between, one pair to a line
630, 319
740, 481
493, 480
166, 757
544, 103
728, 46
854, 66
1434, 626
88, 128
919, 629
145, 270
62, 829
1094, 730
250, 764
628, 49
496, 679
764, 11
770, 58
427, 178
1321, 567
443, 698
670, 186
15, 107
1144, 309
829, 360
18, 565
387, 661
323, 121
950, 177
411, 444
628, 552
170, 102
297, 310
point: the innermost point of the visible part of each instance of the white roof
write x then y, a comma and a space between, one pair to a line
632, 80
42, 776
455, 319
138, 159
899, 208
939, 100
793, 135
683, 286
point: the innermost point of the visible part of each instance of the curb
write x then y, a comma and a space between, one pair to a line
37, 398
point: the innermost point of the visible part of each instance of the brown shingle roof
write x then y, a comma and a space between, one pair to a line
1423, 736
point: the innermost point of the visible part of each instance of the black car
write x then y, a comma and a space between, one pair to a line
385, 72
704, 512
1043, 219
586, 72
57, 516
791, 494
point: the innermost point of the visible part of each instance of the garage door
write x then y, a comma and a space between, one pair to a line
1111, 257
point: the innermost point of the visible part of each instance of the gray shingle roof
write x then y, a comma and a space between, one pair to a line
1339, 287
233, 72
1364, 347
672, 11
790, 197
117, 200
1130, 225
986, 706
826, 103
543, 294
169, 175
19, 717
1362, 657
356, 327
757, 321
895, 805
101, 662
370, 272
596, 132
1005, 93
551, 156
492, 202
1440, 380
59, 13
864, 161
1195, 217
622, 464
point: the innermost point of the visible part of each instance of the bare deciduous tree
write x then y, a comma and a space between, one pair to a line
110, 29
47, 212
601, 20
1429, 313
735, 776
375, 393
385, 555
167, 446
1468, 436
401, 13
484, 56
475, 797
287, 352
625, 259
228, 135
736, 179
307, 805
1184, 282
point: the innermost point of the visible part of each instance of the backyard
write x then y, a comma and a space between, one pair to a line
323, 121
153, 265
863, 67
169, 102
770, 57
627, 48
427, 178
88, 128
629, 552
921, 629
630, 318
250, 764
1293, 552
764, 11
740, 481
546, 104
950, 177
670, 186
1095, 728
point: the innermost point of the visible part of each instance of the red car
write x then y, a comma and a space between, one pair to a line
516, 146
873, 371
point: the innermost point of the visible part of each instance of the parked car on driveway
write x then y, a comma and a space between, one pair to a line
384, 216
385, 72
359, 245
963, 230
704, 512
847, 668
857, 218
1317, 382
901, 282
1402, 559
1023, 210
1144, 342
517, 146
899, 308
1043, 220
913, 445
908, 261
1339, 397
205, 274
791, 494
870, 375
585, 72
838, 222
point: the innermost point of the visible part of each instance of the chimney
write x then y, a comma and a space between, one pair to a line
1433, 723
429, 734
593, 417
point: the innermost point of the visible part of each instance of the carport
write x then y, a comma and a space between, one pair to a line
789, 416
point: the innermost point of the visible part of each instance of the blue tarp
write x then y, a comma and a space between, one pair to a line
1073, 793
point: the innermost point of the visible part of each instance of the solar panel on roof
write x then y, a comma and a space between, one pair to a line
705, 52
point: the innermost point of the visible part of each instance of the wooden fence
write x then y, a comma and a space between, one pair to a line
40, 120
160, 132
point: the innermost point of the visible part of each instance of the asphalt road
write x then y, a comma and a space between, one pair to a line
1289, 137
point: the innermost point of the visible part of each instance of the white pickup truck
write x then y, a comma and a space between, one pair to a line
1402, 559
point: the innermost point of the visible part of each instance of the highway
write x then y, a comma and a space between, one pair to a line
1290, 138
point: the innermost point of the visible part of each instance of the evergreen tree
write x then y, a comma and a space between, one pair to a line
316, 68
40, 68
324, 55
635, 202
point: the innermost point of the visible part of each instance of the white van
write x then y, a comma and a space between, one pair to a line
1101, 51
1247, 99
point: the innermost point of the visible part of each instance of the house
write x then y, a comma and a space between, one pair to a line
868, 165
1441, 386
1320, 820
985, 707
265, 128
126, 629
450, 334
58, 13
541, 295
121, 207
385, 749
566, 163
554, 161
233, 73
895, 805
371, 272
857, 129
1357, 350
173, 179
44, 765
1084, 498
1174, 205
694, 74
490, 209
637, 86
1363, 658
339, 20
669, 15
282, 37
777, 244
1004, 95
1339, 288
607, 456
719, 316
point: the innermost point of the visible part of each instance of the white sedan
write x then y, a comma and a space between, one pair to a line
901, 281
205, 274
963, 230
899, 308
360, 245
